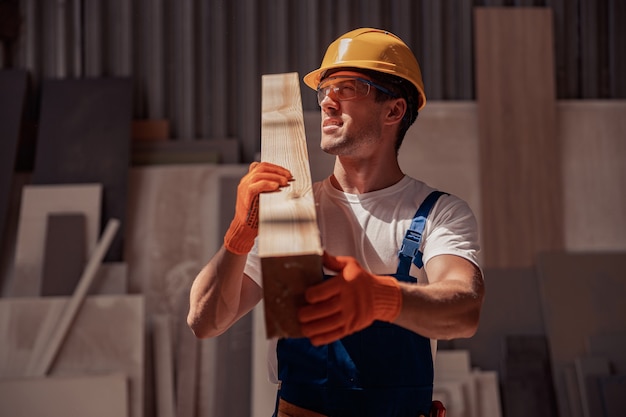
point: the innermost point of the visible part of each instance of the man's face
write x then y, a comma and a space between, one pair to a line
350, 127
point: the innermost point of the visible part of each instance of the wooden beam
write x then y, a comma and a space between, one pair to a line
520, 153
289, 240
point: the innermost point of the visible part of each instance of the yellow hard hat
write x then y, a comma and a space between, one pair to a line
372, 49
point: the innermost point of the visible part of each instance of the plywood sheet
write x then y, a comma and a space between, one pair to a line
519, 149
38, 201
84, 137
107, 336
93, 396
594, 174
173, 231
582, 294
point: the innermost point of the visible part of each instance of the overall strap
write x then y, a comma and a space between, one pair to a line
409, 252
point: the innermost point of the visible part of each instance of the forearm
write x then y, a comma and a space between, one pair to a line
220, 295
446, 309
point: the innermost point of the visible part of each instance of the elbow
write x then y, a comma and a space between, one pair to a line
196, 328
471, 318
201, 327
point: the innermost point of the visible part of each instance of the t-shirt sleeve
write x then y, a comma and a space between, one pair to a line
451, 229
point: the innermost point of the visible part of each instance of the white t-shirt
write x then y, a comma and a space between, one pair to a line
371, 227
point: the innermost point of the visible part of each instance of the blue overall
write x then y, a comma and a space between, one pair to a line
381, 371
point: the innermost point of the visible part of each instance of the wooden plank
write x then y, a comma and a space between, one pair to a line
45, 353
289, 239
64, 253
519, 147
37, 202
107, 336
67, 396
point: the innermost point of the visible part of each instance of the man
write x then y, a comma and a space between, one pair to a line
405, 277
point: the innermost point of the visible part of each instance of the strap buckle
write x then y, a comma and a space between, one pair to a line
411, 243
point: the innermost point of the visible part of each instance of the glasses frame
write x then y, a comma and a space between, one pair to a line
322, 93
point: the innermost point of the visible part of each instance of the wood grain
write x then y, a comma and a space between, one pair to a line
289, 240
519, 147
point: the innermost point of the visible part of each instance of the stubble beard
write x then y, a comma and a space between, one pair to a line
349, 144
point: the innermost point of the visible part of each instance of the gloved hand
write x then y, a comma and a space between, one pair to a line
262, 177
347, 302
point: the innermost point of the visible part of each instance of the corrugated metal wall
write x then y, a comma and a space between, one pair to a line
198, 63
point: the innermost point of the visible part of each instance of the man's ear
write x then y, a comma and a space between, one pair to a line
396, 110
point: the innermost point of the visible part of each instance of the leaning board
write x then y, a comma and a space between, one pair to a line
106, 337
582, 295
289, 239
75, 396
38, 201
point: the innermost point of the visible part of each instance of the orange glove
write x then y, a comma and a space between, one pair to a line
262, 177
347, 302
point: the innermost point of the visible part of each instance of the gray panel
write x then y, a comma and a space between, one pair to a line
582, 294
512, 306
84, 137
64, 253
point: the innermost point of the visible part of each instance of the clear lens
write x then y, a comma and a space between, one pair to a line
347, 88
343, 88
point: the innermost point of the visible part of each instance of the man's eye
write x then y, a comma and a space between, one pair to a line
346, 89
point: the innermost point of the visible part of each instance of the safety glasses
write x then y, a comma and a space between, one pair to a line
346, 88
